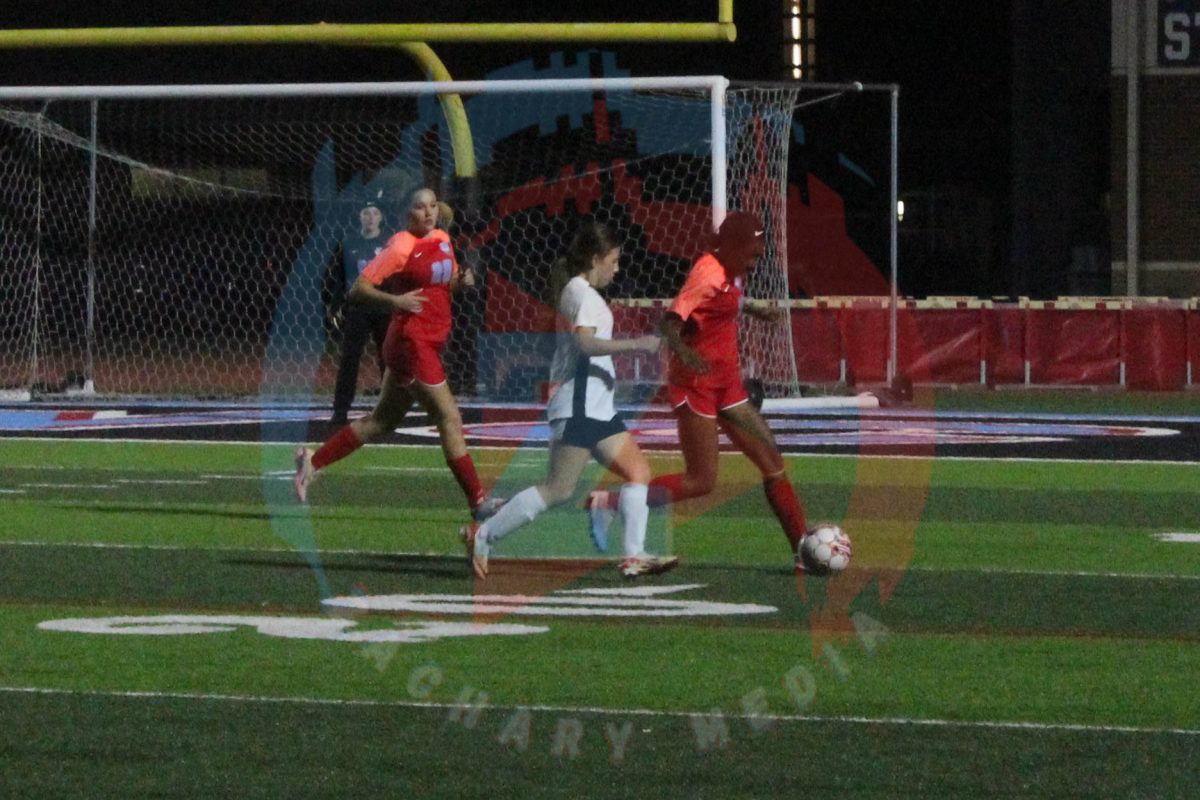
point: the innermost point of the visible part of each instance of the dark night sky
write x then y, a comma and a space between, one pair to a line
953, 61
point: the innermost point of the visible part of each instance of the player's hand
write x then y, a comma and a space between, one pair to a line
412, 302
467, 278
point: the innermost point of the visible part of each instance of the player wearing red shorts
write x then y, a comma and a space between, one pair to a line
704, 382
413, 277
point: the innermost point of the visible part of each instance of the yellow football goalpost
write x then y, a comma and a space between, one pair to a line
412, 39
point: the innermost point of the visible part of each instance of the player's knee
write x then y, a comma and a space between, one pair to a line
449, 419
553, 495
701, 483
639, 473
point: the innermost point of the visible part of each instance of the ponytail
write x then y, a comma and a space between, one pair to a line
560, 275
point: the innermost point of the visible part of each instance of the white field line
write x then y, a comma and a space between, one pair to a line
406, 469
1059, 573
1186, 538
539, 466
414, 554
433, 445
66, 486
636, 712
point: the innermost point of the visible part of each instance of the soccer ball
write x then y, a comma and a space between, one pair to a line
826, 549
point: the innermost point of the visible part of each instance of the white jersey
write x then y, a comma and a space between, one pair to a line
582, 307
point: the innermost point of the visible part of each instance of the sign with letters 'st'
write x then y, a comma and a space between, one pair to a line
1178, 33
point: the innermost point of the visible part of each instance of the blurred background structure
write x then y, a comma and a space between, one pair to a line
1044, 147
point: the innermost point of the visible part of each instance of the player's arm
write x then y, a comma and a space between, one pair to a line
700, 286
764, 310
391, 260
368, 295
671, 328
464, 278
590, 346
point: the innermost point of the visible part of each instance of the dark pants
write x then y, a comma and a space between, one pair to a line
358, 327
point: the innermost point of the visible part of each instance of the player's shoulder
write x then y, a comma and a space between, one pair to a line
706, 273
578, 296
573, 291
708, 269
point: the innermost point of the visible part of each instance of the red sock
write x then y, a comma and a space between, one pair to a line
336, 447
464, 472
787, 508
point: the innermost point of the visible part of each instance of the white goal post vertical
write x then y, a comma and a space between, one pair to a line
205, 221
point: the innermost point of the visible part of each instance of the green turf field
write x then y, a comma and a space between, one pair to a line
1010, 628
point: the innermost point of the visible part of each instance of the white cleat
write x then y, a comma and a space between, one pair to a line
304, 473
477, 549
637, 566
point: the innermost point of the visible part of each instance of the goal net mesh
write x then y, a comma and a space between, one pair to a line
191, 247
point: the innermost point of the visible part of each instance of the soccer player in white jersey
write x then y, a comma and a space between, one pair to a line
583, 421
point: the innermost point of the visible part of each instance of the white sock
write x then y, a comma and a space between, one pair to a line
634, 514
523, 508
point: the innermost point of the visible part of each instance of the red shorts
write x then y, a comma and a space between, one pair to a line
708, 394
411, 360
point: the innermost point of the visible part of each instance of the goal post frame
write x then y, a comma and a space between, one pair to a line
716, 88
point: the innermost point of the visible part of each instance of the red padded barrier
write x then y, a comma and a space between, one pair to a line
864, 329
818, 344
1004, 344
940, 345
1156, 348
1078, 347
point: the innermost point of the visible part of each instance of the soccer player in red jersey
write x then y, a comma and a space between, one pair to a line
704, 382
413, 277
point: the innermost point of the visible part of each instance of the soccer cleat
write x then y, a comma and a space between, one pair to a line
600, 518
799, 567
637, 566
477, 549
488, 508
304, 473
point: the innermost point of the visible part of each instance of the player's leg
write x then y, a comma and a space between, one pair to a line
567, 463
698, 441
439, 403
379, 324
395, 400
620, 454
700, 445
354, 338
746, 428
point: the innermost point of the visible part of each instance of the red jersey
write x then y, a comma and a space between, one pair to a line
428, 264
708, 304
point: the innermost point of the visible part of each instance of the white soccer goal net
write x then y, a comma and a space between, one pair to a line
185, 241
